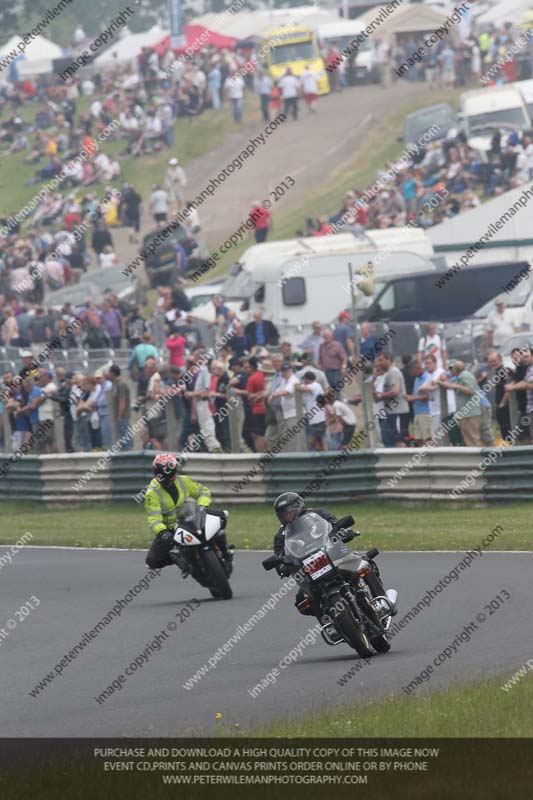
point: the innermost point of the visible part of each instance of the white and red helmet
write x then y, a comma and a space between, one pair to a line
166, 465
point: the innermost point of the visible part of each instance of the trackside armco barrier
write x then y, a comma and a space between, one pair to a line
394, 474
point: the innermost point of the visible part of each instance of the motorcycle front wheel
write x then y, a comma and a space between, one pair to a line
348, 628
218, 583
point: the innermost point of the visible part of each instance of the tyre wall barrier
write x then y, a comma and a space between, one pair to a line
323, 477
432, 473
131, 473
417, 474
510, 477
20, 478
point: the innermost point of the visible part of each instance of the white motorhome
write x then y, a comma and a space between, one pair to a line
341, 34
298, 280
495, 108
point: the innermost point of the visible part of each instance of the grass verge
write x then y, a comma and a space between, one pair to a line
192, 138
475, 710
389, 526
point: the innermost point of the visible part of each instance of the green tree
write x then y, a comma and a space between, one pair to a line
8, 18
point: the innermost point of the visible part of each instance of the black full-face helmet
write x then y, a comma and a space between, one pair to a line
288, 506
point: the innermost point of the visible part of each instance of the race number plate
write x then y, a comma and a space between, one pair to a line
317, 565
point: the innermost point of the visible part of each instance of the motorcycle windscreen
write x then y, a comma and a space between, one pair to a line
306, 534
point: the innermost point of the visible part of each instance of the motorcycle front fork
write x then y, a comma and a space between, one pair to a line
373, 581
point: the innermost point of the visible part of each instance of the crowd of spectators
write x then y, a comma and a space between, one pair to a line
462, 62
248, 394
442, 180
432, 399
254, 381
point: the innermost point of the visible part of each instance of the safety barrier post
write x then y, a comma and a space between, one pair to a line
444, 440
235, 420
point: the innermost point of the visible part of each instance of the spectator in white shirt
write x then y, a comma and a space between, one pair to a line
106, 169
383, 53
432, 345
234, 90
521, 174
500, 325
342, 414
54, 273
309, 88
47, 442
87, 87
312, 393
290, 89
96, 108
192, 220
288, 398
263, 87
107, 257
175, 182
128, 121
432, 386
159, 204
153, 127
308, 364
527, 144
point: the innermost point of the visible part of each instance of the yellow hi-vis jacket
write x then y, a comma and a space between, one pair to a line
160, 507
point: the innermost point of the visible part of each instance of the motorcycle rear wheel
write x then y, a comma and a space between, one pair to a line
218, 583
350, 630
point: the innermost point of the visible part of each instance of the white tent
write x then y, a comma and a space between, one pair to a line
246, 24
10, 45
509, 11
37, 58
510, 240
129, 45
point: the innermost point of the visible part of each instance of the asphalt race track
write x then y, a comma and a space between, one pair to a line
77, 588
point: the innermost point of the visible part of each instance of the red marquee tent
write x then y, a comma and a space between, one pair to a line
200, 34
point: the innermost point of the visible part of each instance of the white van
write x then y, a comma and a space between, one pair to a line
299, 280
485, 111
526, 90
341, 35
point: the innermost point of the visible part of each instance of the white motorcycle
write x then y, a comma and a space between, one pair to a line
201, 548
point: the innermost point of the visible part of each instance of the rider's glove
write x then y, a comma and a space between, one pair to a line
283, 571
167, 536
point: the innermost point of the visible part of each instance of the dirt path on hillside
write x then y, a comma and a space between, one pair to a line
307, 149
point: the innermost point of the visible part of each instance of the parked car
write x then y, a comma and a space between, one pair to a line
76, 294
161, 266
112, 280
420, 122
94, 285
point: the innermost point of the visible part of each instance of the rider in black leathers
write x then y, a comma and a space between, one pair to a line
288, 506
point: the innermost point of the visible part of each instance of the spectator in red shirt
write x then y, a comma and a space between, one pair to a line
71, 218
261, 219
361, 212
255, 386
332, 62
175, 344
324, 228
29, 88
